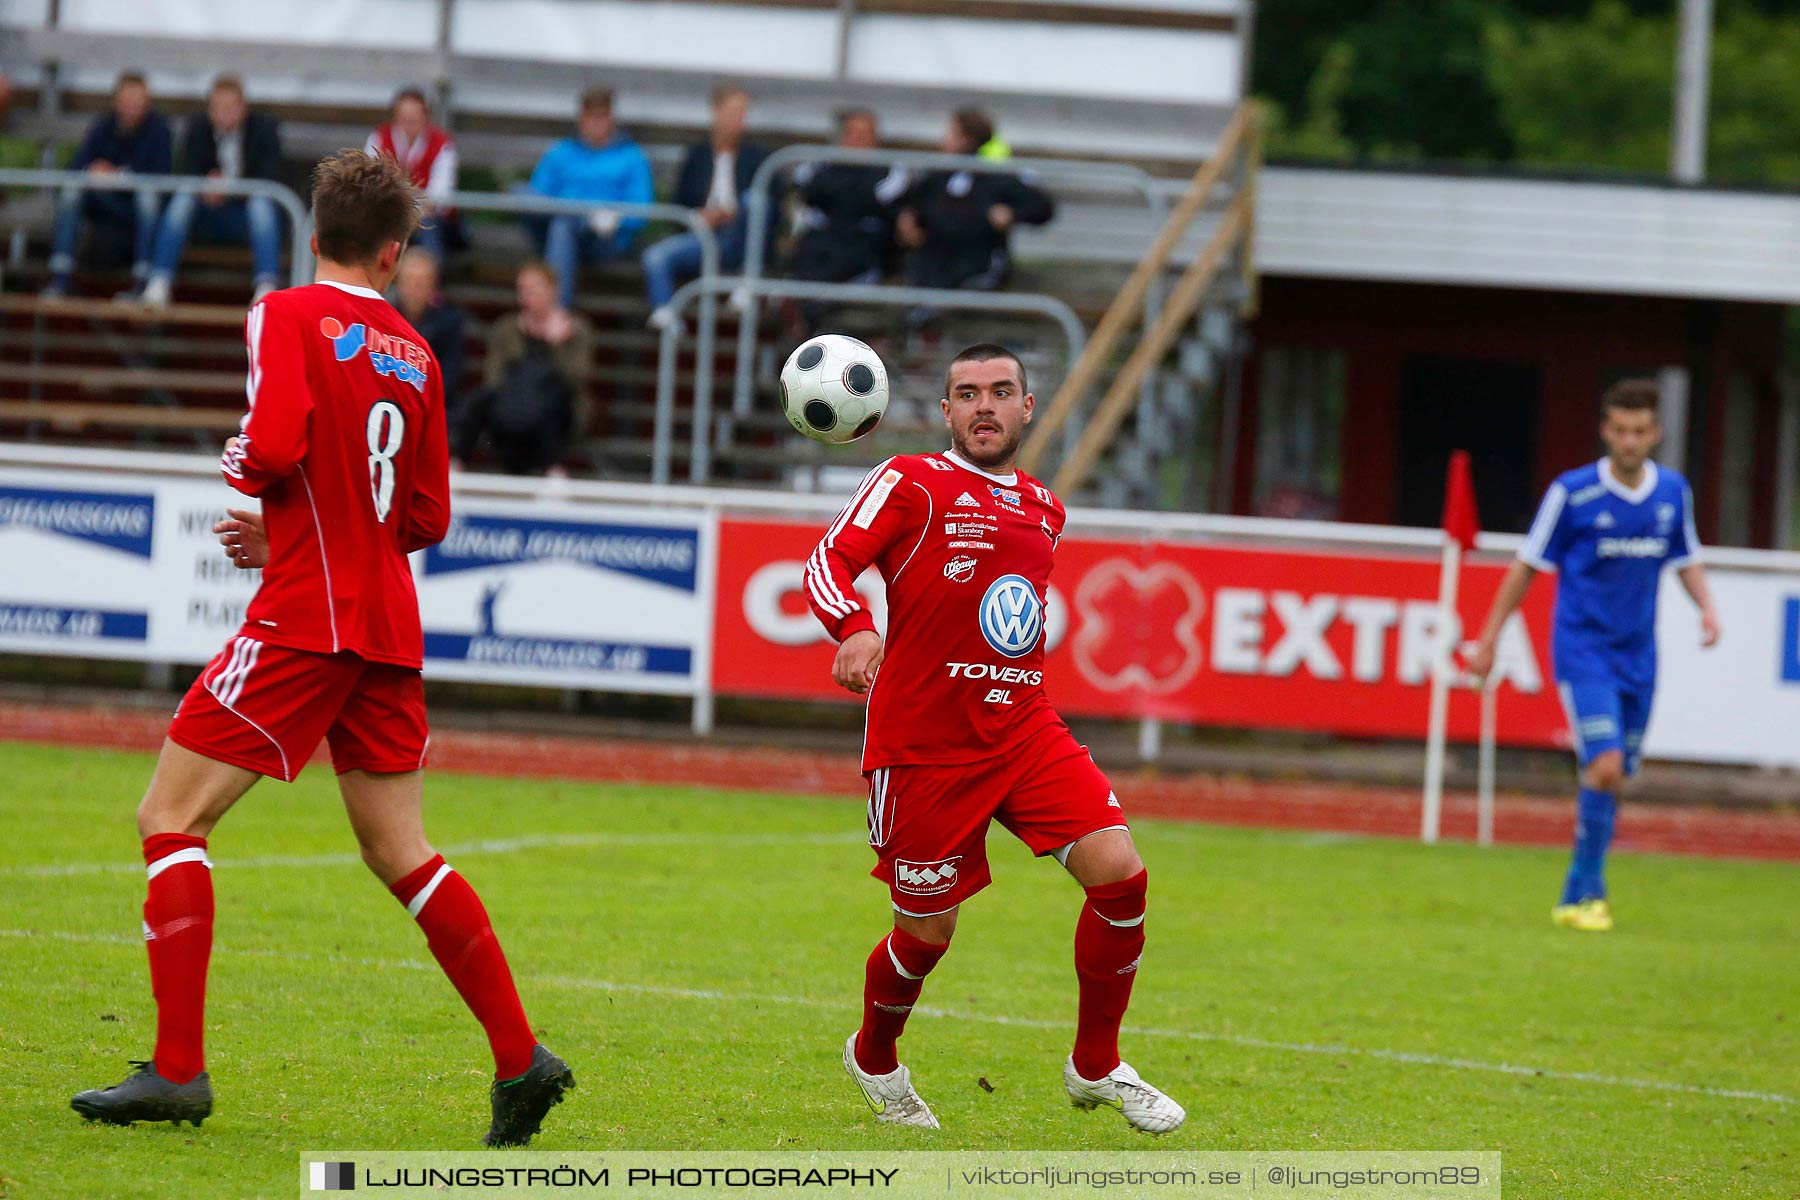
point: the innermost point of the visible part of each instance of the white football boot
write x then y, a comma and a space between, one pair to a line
1144, 1107
891, 1095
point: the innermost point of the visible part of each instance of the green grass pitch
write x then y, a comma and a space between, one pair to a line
697, 957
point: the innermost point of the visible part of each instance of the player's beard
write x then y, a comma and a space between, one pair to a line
996, 459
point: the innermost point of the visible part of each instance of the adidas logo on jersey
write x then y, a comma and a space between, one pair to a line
967, 501
1604, 521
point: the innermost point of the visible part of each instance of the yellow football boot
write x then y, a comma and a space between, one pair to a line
1590, 916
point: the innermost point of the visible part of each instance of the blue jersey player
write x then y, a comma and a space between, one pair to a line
1608, 529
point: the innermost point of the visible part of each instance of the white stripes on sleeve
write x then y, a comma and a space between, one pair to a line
1688, 531
1537, 542
819, 583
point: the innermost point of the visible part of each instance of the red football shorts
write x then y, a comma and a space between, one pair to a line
265, 708
928, 823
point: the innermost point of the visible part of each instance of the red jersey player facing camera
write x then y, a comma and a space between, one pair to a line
960, 732
345, 445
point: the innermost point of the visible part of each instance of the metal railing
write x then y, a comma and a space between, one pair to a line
1231, 173
1118, 176
700, 453
299, 223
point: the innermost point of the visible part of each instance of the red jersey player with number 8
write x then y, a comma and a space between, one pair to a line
345, 443
960, 733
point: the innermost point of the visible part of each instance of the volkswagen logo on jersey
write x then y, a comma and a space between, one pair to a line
1012, 616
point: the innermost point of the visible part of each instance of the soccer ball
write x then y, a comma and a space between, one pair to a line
834, 389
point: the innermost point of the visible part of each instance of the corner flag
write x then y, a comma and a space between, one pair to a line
1461, 525
1462, 520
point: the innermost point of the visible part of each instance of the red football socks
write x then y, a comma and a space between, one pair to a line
1109, 939
178, 927
463, 942
892, 981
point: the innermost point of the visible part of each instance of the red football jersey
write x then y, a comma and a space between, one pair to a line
966, 556
346, 444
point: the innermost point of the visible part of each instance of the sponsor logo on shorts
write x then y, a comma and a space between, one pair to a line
1596, 728
925, 878
960, 569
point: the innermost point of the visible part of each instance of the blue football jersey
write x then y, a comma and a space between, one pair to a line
1610, 544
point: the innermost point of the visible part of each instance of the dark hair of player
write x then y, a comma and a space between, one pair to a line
360, 203
130, 79
597, 100
411, 91
985, 352
227, 83
1631, 395
975, 126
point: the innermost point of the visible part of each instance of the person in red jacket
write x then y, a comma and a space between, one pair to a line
429, 155
345, 445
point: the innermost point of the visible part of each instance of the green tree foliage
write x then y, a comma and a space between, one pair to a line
1589, 92
1566, 84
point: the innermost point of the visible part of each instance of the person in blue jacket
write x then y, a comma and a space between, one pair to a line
599, 163
1609, 529
133, 138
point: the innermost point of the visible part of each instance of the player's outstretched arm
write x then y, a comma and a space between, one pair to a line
1506, 602
1693, 578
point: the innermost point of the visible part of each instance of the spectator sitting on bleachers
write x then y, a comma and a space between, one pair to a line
846, 219
958, 222
532, 397
715, 175
429, 155
599, 163
131, 138
226, 141
438, 321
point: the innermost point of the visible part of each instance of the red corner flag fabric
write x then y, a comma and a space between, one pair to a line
1462, 520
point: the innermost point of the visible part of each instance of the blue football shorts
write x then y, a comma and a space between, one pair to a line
1606, 716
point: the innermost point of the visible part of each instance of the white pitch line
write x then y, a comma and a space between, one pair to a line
1252, 1043
460, 849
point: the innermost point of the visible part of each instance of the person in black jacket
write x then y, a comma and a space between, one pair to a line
131, 139
958, 223
715, 175
421, 301
846, 217
227, 141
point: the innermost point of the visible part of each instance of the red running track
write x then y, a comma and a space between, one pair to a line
1323, 806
